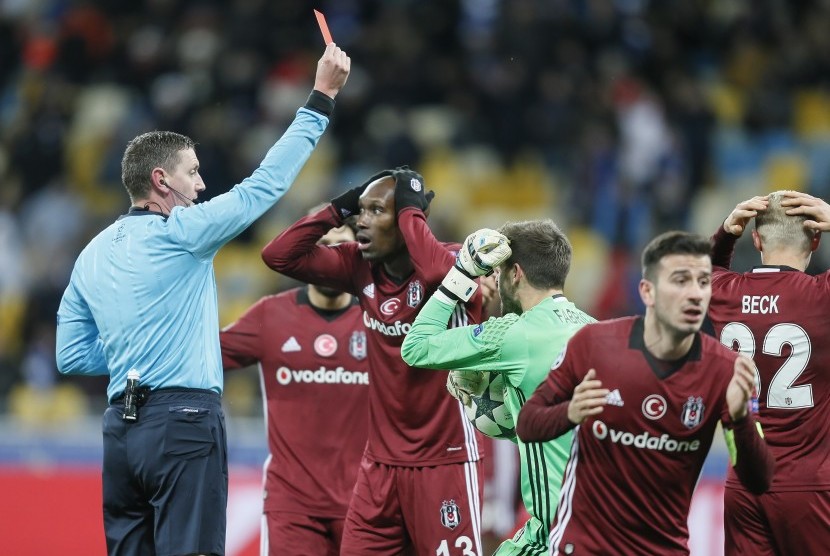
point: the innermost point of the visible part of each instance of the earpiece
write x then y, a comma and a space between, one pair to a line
162, 182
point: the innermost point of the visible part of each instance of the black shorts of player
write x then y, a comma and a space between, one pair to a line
165, 476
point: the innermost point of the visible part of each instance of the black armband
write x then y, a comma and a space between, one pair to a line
320, 102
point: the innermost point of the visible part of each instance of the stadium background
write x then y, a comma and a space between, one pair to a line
618, 118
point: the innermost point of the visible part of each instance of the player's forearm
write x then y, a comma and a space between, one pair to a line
753, 461
429, 257
723, 247
295, 251
430, 325
233, 359
540, 422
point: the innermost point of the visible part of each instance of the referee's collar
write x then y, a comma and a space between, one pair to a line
139, 211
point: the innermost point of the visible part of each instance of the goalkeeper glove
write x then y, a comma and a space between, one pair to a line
481, 253
462, 385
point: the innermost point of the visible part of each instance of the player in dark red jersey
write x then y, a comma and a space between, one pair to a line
419, 485
310, 345
780, 316
645, 395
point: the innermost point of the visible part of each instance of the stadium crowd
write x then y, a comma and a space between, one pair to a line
619, 118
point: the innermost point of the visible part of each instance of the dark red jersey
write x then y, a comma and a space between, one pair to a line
412, 419
633, 468
315, 381
780, 317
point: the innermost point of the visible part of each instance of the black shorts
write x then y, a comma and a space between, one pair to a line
165, 476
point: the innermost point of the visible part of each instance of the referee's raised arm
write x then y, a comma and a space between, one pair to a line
141, 307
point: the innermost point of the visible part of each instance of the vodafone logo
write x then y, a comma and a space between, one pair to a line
338, 375
654, 407
325, 345
643, 439
284, 375
390, 306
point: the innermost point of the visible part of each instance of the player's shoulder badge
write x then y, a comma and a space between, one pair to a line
692, 413
450, 514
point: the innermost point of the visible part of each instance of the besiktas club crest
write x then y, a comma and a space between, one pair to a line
450, 514
357, 345
692, 413
415, 294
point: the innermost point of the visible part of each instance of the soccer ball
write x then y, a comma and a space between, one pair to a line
488, 413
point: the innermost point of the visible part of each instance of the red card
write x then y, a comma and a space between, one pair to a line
324, 27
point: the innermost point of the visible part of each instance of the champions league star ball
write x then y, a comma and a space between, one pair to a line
488, 413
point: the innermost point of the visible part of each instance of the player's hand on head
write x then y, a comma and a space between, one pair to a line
463, 384
482, 252
739, 390
332, 71
347, 203
410, 190
743, 212
588, 400
815, 209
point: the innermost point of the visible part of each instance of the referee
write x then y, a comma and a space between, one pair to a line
142, 298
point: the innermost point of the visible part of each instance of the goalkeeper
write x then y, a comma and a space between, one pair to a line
531, 260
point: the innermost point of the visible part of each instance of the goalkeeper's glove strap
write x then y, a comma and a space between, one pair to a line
457, 285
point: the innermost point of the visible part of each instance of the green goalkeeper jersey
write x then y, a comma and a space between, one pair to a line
522, 348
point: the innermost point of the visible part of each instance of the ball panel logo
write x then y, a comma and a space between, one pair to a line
654, 407
325, 345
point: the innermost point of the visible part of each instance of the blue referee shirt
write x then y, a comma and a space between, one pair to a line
143, 293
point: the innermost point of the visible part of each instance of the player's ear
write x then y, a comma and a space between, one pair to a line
815, 241
756, 240
517, 273
646, 289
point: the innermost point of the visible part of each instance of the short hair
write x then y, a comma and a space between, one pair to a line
541, 249
779, 229
672, 243
147, 151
